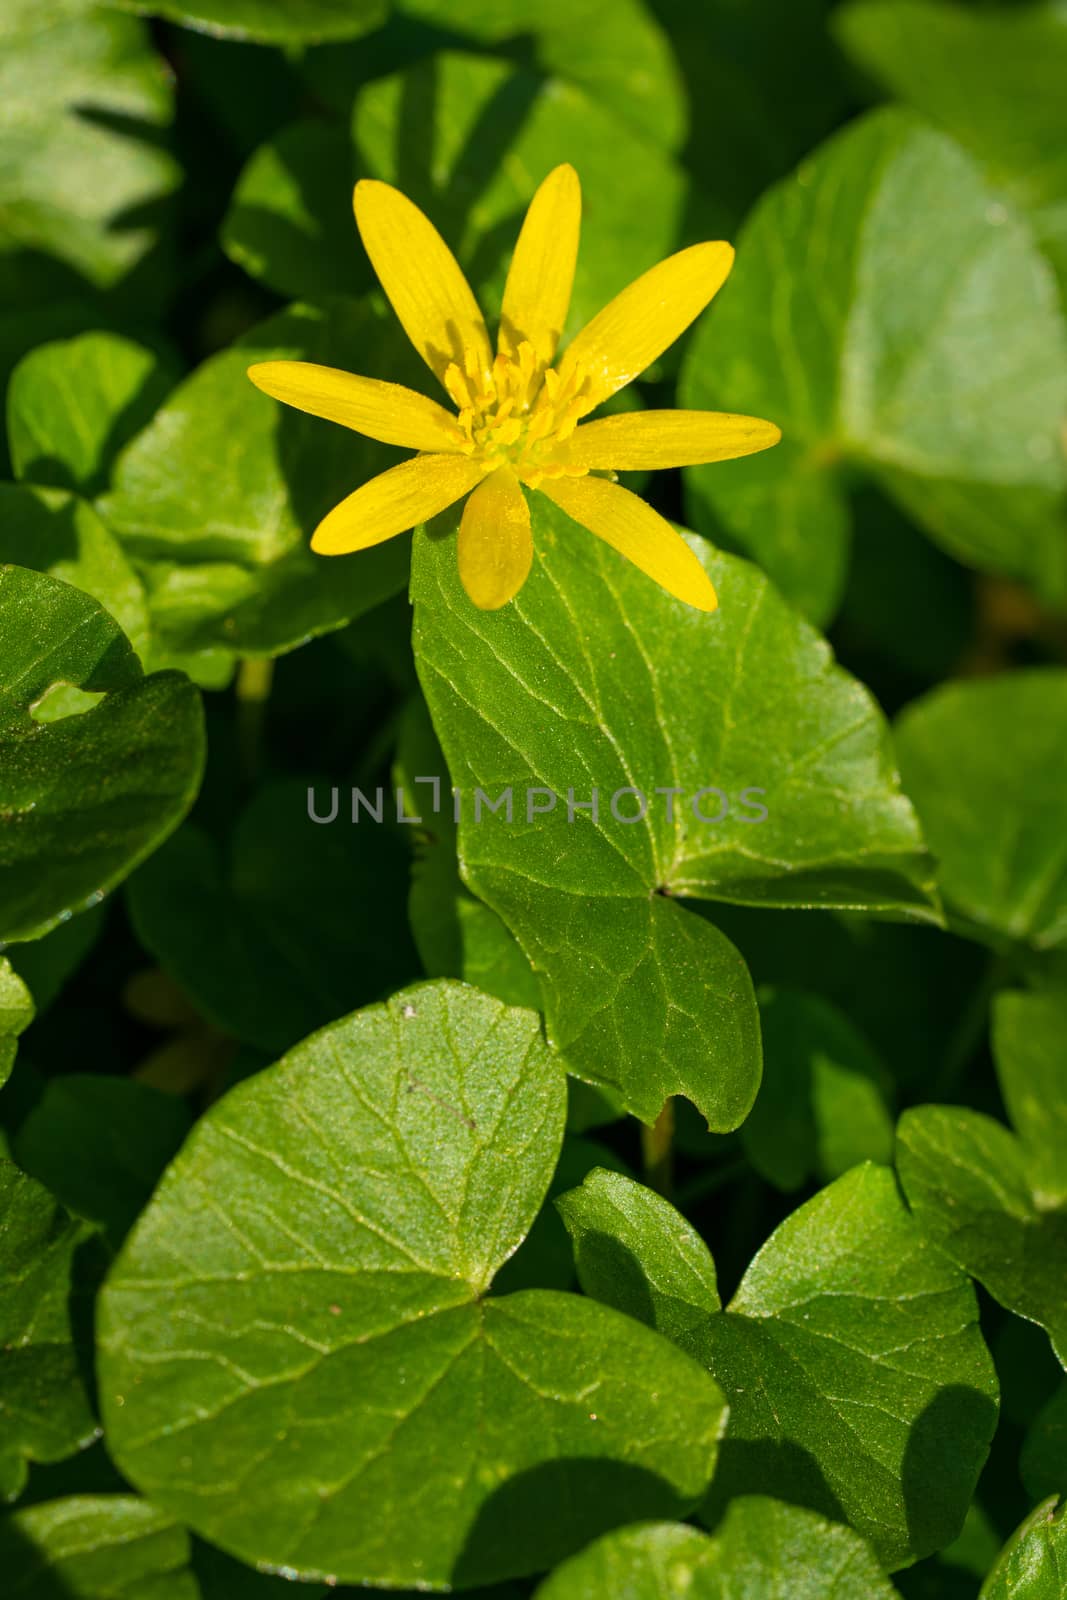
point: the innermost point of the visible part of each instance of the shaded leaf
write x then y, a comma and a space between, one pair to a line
84, 162
296, 22
224, 555
1043, 1463
95, 1547
289, 926
52, 531
761, 1548
44, 1410
868, 317
73, 404
822, 1105
993, 1201
128, 769
318, 1330
993, 78
99, 1144
985, 763
634, 1251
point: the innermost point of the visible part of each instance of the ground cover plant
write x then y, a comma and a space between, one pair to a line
533, 799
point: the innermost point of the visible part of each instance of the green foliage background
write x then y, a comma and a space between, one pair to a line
574, 1208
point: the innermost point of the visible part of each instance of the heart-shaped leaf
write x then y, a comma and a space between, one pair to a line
1033, 1563
764, 771
302, 1308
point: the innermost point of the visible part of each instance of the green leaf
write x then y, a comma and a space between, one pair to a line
45, 965
857, 1377
44, 1412
83, 799
289, 927
761, 1549
1033, 1563
74, 403
632, 71
427, 129
297, 22
95, 1547
822, 1105
1043, 1463
634, 1251
869, 317
52, 531
993, 78
595, 679
992, 1201
455, 934
16, 1014
300, 1310
99, 1144
985, 762
83, 158
224, 553
290, 220
1030, 1046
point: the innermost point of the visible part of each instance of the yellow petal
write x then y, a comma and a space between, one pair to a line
385, 411
630, 526
394, 501
538, 291
495, 544
637, 441
639, 324
422, 278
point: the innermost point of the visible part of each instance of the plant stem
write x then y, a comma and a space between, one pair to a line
254, 678
657, 1149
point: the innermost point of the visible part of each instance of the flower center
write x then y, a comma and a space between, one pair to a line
519, 413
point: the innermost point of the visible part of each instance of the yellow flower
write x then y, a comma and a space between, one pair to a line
519, 417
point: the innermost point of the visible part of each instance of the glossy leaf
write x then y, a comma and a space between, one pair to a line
95, 1547
16, 1014
993, 78
594, 678
84, 163
73, 404
1033, 1563
634, 1251
761, 1548
290, 926
867, 317
130, 766
387, 1423
822, 1105
224, 554
44, 1410
856, 1375
992, 1200
986, 764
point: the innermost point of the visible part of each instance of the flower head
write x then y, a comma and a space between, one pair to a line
518, 420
